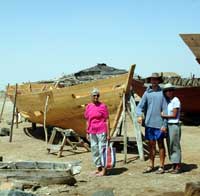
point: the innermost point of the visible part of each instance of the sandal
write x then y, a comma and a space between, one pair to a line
176, 171
170, 170
149, 169
160, 170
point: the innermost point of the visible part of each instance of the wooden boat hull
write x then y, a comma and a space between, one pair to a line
66, 105
193, 42
189, 96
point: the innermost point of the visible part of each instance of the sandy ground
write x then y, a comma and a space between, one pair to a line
125, 179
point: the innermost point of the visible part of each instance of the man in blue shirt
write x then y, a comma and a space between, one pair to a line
152, 104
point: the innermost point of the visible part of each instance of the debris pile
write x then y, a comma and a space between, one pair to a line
100, 71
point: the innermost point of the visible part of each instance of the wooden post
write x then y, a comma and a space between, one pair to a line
126, 90
124, 128
4, 101
17, 118
119, 111
118, 129
43, 88
119, 125
13, 115
45, 118
56, 84
30, 87
137, 128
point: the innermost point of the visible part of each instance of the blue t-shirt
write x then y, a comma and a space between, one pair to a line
152, 104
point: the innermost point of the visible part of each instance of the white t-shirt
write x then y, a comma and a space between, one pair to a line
174, 103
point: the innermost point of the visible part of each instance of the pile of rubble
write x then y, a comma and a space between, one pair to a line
100, 71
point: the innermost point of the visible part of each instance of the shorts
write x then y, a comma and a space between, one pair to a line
153, 134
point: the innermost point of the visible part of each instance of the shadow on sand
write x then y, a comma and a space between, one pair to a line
185, 167
37, 132
116, 171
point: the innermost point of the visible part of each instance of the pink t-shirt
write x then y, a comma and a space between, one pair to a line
96, 116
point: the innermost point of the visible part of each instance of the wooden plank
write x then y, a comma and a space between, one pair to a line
17, 118
193, 42
119, 125
54, 147
138, 133
129, 79
45, 118
126, 90
43, 177
13, 114
124, 127
64, 141
74, 166
121, 139
4, 101
53, 134
117, 116
30, 87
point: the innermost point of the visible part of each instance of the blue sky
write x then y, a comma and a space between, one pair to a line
41, 39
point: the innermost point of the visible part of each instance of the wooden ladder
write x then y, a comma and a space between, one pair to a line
137, 128
129, 107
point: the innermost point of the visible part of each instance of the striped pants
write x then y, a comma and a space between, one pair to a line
173, 142
97, 141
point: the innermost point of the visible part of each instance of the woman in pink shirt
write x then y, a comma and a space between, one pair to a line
97, 129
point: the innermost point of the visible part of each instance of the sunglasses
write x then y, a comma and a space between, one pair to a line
95, 95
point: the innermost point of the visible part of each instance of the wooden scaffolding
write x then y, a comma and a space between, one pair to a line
120, 133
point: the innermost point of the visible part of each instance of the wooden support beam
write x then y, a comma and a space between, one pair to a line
43, 88
129, 79
30, 87
121, 139
137, 128
50, 143
64, 141
82, 143
119, 111
126, 91
124, 127
45, 118
13, 114
119, 126
17, 118
4, 101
